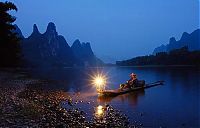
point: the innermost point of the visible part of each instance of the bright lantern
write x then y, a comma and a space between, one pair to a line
99, 81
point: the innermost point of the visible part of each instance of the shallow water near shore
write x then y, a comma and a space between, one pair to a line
174, 104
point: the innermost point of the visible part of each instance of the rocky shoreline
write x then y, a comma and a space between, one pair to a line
23, 103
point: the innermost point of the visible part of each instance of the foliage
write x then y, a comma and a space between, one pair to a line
9, 42
175, 57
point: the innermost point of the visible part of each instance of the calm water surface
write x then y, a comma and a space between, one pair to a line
174, 104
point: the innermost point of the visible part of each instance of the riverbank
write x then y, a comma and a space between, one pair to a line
25, 103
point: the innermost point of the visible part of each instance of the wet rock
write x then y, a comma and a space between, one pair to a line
31, 106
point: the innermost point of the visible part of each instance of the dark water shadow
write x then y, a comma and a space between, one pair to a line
131, 98
66, 79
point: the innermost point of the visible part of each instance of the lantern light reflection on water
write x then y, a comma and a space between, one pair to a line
99, 111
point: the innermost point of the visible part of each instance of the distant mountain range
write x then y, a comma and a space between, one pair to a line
175, 57
185, 51
192, 41
51, 49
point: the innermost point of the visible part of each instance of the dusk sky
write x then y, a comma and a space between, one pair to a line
119, 29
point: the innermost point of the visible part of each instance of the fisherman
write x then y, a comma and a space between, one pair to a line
131, 83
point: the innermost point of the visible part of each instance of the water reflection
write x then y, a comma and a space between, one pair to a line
131, 98
66, 79
173, 104
100, 112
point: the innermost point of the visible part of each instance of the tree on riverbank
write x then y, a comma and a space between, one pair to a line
9, 42
180, 56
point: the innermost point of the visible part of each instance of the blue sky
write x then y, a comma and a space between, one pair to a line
116, 29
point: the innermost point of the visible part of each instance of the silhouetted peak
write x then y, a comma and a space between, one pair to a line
172, 39
18, 31
51, 28
15, 25
35, 29
184, 36
191, 40
76, 43
196, 31
87, 45
87, 48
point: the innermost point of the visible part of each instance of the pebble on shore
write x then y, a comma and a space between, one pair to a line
25, 104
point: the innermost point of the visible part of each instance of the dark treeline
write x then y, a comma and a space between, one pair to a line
175, 57
9, 42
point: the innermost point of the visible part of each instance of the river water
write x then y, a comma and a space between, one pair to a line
174, 104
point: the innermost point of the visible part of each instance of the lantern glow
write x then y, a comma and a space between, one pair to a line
99, 81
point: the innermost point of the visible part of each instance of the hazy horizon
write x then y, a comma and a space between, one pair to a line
116, 29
